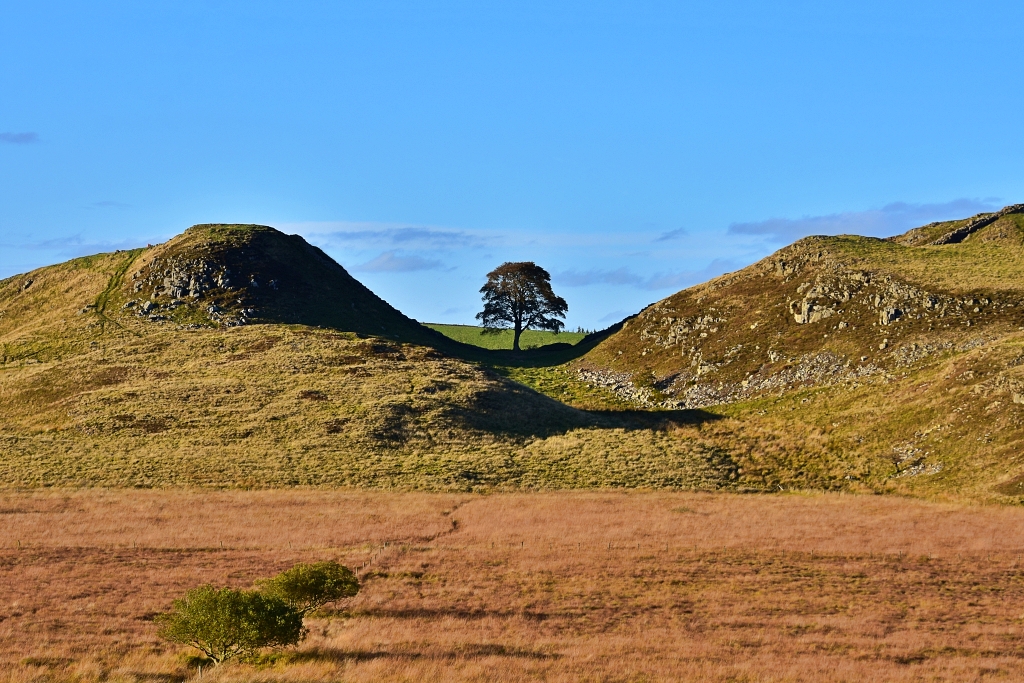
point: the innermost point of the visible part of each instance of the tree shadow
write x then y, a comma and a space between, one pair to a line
514, 409
443, 613
659, 420
462, 651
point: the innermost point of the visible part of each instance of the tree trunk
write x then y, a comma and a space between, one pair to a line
515, 339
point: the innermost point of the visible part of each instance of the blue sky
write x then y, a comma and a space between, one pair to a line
630, 148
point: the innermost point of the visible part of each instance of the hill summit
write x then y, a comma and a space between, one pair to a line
230, 275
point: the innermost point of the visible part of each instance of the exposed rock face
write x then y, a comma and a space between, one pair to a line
810, 312
977, 223
890, 315
177, 277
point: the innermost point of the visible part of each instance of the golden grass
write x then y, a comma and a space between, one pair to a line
514, 587
991, 259
104, 398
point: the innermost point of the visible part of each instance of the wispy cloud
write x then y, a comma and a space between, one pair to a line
614, 316
71, 246
619, 276
672, 234
655, 281
346, 234
19, 138
391, 262
891, 219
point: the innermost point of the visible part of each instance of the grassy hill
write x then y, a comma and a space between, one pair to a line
471, 334
237, 356
895, 363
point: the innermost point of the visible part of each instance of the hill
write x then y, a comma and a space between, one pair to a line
236, 356
239, 356
896, 362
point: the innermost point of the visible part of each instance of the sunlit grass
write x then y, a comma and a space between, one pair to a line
469, 334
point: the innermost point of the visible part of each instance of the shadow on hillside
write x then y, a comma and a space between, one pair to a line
659, 420
517, 410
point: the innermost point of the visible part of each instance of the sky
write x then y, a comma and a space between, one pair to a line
630, 148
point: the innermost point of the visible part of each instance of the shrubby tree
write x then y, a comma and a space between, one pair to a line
520, 295
224, 623
308, 587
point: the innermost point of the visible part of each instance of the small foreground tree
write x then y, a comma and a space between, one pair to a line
520, 295
224, 623
308, 587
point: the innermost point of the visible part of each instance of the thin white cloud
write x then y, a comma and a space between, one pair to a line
408, 236
75, 245
891, 219
672, 235
654, 282
614, 316
619, 276
392, 262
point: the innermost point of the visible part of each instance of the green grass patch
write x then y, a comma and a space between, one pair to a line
531, 339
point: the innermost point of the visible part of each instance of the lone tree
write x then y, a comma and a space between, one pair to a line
519, 295
308, 587
223, 623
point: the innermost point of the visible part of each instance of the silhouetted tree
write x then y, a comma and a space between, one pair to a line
520, 295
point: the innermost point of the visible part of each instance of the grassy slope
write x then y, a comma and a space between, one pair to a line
104, 397
470, 334
925, 405
93, 394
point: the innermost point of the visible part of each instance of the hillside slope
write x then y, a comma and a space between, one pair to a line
904, 355
239, 356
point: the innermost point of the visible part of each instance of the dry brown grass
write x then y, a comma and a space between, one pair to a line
566, 586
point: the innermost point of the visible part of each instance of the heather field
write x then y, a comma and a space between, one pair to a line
598, 586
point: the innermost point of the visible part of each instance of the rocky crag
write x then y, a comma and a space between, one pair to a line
230, 275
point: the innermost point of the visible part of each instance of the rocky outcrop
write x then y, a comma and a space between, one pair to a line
177, 278
977, 223
809, 311
683, 392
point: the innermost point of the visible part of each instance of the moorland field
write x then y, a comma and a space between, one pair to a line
809, 469
592, 586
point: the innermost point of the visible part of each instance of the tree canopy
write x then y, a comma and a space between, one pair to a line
308, 587
225, 623
519, 295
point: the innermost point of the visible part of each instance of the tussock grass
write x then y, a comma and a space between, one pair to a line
93, 395
262, 408
517, 587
